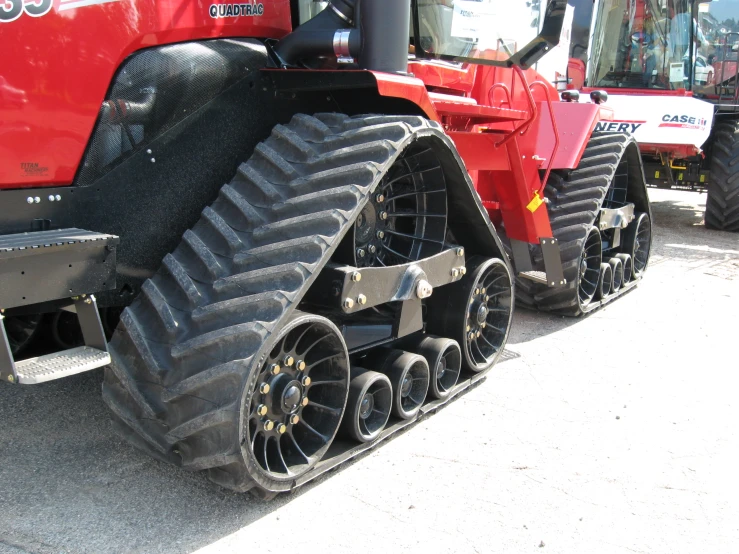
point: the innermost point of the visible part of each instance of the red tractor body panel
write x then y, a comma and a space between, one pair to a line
58, 66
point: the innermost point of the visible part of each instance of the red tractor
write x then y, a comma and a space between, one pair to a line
355, 271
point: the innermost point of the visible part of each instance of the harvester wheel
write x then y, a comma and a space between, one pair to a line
722, 203
21, 330
476, 312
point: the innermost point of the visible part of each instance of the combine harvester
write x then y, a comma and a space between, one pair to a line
670, 70
350, 275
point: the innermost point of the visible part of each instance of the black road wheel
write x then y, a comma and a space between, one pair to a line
21, 330
618, 274
628, 267
444, 359
409, 377
637, 242
605, 282
722, 202
297, 398
590, 259
405, 218
476, 311
368, 407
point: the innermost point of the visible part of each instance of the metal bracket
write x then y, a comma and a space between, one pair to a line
89, 318
552, 262
7, 365
521, 256
354, 289
616, 218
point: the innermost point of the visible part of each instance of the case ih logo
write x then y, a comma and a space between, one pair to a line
251, 9
619, 126
683, 122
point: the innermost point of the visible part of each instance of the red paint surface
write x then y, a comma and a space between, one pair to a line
56, 69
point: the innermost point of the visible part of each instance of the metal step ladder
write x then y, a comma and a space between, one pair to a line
63, 267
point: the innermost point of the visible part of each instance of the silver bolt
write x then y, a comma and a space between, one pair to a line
468, 328
479, 333
372, 249
487, 297
561, 282
37, 199
471, 335
380, 235
356, 276
383, 215
360, 252
29, 199
424, 289
153, 160
51, 198
455, 273
148, 150
477, 291
460, 251
484, 290
380, 198
58, 197
361, 299
11, 379
463, 270
348, 303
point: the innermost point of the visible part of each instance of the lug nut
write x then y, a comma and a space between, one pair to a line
479, 333
484, 290
360, 252
289, 360
294, 419
372, 249
262, 410
487, 297
348, 303
383, 216
305, 402
471, 335
477, 291
468, 328
264, 388
460, 251
380, 235
281, 428
356, 276
483, 325
306, 381
380, 198
274, 369
300, 365
268, 425
361, 299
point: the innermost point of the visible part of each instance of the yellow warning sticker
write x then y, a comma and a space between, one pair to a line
703, 178
536, 201
656, 174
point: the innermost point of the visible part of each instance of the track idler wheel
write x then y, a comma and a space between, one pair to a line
589, 273
605, 282
618, 274
637, 242
369, 405
409, 375
444, 359
476, 312
297, 399
628, 266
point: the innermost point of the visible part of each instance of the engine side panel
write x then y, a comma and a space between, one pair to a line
60, 57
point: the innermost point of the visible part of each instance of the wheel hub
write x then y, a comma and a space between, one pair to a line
583, 267
366, 406
291, 397
482, 313
366, 224
405, 386
441, 368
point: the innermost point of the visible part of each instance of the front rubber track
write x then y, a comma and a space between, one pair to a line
185, 349
722, 202
575, 199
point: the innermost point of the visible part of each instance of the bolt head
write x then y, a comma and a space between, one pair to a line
380, 198
372, 248
361, 299
360, 252
51, 198
29, 199
36, 199
487, 297
300, 365
153, 160
289, 360
479, 333
483, 325
463, 270
294, 419
306, 381
471, 335
455, 273
424, 289
383, 216
274, 369
348, 303
11, 379
460, 251
281, 428
484, 290
380, 235
304, 403
468, 328
356, 276
477, 291
269, 425
264, 388
262, 410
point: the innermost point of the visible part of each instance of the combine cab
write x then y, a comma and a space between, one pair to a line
670, 68
355, 271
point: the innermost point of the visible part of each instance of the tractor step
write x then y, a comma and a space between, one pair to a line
535, 276
60, 364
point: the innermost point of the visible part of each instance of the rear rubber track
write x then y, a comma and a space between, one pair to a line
184, 350
574, 202
722, 203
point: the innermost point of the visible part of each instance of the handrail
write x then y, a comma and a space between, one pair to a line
532, 107
556, 134
505, 89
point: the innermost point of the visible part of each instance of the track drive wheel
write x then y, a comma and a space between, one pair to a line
476, 312
722, 203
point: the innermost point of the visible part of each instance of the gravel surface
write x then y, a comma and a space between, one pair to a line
613, 433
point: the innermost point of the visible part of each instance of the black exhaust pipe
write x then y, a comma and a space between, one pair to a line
385, 28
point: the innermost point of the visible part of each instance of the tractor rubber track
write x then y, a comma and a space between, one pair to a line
184, 350
575, 199
722, 203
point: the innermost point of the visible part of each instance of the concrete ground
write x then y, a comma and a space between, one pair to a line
614, 433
